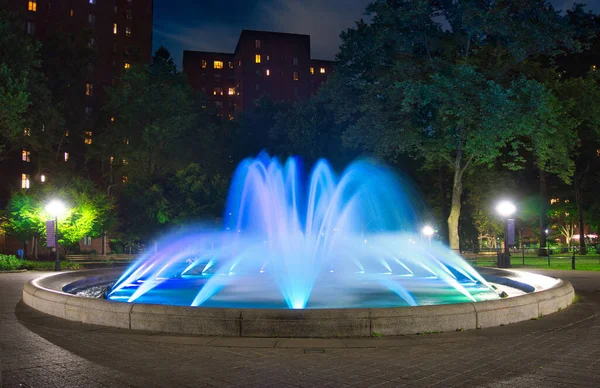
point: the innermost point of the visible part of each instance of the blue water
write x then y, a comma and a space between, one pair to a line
326, 241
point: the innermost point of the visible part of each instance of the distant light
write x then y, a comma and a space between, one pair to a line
506, 208
365, 241
546, 231
427, 231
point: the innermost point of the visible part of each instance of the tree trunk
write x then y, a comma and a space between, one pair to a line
443, 203
455, 206
543, 213
579, 202
34, 248
103, 242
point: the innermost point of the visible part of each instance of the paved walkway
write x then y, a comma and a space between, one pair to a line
560, 350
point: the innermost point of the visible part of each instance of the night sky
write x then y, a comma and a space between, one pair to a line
215, 25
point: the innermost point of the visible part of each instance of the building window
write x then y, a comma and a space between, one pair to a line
257, 58
295, 61
88, 111
88, 137
312, 70
203, 64
296, 91
128, 32
295, 76
128, 14
322, 70
71, 12
230, 65
92, 18
257, 43
26, 155
127, 65
257, 87
30, 28
89, 89
218, 64
27, 132
43, 178
32, 6
268, 72
25, 181
257, 72
231, 91
268, 57
219, 104
218, 91
66, 156
124, 179
91, 43
115, 28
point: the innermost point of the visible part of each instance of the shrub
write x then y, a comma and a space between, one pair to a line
12, 263
9, 263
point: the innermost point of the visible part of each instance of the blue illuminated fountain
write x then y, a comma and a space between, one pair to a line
334, 242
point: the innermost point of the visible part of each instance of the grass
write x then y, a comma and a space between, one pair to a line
589, 262
12, 263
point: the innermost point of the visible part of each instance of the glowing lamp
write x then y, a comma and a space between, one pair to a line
506, 208
427, 231
56, 208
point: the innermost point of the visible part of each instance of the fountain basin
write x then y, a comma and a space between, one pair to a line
46, 294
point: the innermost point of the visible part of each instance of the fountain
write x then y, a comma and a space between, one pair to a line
288, 243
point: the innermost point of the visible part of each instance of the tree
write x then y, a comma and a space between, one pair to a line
440, 81
89, 212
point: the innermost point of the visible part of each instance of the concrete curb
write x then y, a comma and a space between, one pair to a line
45, 294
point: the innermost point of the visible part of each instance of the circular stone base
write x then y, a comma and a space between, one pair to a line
45, 294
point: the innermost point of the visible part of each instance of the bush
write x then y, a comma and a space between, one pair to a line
9, 263
12, 263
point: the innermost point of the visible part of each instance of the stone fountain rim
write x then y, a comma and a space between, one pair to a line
45, 295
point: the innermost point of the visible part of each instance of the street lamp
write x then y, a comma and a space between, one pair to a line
505, 209
56, 208
428, 231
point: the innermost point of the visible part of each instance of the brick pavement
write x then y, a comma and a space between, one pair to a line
560, 350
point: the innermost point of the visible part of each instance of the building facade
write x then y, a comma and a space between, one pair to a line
118, 35
264, 64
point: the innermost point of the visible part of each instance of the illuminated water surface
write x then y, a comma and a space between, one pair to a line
326, 241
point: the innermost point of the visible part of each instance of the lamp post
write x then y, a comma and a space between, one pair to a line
56, 208
505, 209
428, 231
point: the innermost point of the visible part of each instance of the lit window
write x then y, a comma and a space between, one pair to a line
218, 64
115, 29
112, 159
124, 161
231, 91
71, 12
322, 70
218, 91
268, 72
127, 65
124, 179
128, 32
203, 64
128, 14
92, 18
27, 132
257, 43
594, 67
32, 5
26, 156
312, 70
112, 119
88, 137
295, 76
295, 61
66, 156
67, 133
257, 58
268, 57
230, 65
553, 201
89, 89
25, 181
42, 178
126, 141
30, 28
598, 152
